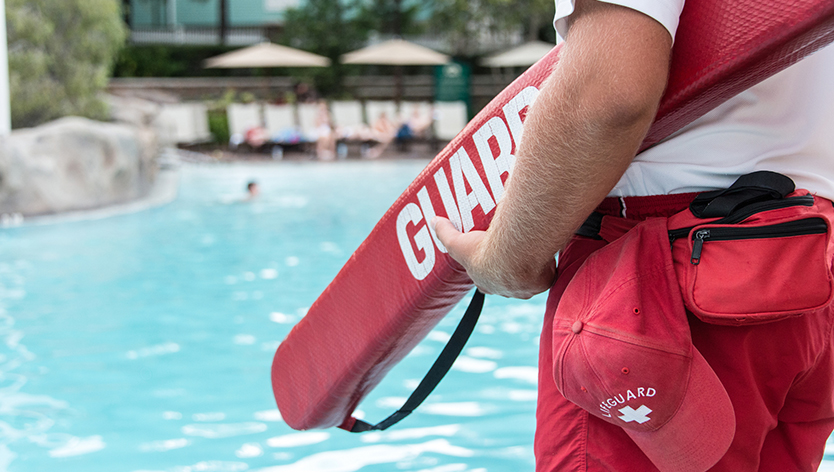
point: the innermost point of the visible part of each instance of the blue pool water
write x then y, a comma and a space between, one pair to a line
143, 342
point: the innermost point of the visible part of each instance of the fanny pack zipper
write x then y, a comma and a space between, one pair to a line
790, 228
747, 212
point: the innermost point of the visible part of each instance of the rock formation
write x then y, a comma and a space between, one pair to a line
76, 164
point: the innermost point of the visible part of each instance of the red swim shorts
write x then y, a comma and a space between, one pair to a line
779, 376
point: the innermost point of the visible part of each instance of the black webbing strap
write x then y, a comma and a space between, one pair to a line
591, 227
439, 369
749, 188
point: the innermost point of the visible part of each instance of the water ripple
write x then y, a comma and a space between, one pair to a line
213, 431
157, 350
476, 366
268, 415
298, 439
249, 450
213, 466
484, 352
411, 433
523, 395
164, 445
351, 460
446, 468
455, 409
524, 373
26, 416
212, 416
78, 446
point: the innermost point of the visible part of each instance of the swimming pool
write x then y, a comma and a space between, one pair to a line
143, 342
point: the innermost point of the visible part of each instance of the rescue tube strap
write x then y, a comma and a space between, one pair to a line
438, 370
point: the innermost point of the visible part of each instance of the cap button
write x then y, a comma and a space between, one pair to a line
577, 327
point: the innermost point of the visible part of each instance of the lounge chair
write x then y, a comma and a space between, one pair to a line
416, 119
450, 118
185, 123
307, 113
281, 128
374, 108
243, 119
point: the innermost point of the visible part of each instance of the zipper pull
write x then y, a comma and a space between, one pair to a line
699, 237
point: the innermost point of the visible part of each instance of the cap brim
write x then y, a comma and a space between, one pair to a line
700, 432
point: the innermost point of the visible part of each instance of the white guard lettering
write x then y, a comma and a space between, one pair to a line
462, 167
447, 198
428, 212
512, 111
459, 206
411, 214
495, 166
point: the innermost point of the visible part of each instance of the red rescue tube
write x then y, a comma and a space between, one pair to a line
723, 47
400, 282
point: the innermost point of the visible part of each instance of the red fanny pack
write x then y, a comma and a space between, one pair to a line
757, 252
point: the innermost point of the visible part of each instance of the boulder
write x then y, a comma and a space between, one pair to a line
75, 164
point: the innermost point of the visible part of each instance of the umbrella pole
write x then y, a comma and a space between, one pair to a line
398, 85
224, 21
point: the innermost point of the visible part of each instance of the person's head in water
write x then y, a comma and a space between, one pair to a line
252, 189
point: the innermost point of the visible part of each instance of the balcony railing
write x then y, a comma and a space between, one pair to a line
236, 36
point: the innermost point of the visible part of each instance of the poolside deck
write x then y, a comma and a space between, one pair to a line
416, 150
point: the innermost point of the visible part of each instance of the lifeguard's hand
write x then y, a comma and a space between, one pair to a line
492, 273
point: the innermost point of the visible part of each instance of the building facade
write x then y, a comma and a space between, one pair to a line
199, 21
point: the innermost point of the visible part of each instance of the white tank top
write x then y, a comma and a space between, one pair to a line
784, 124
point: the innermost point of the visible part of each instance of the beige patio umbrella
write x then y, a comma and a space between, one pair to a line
398, 53
266, 55
524, 55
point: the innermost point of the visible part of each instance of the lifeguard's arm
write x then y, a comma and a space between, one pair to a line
579, 137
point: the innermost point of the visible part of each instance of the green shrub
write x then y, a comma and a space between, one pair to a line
219, 125
60, 57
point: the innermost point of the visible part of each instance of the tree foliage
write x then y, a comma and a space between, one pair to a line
329, 28
335, 27
60, 57
393, 17
463, 22
161, 60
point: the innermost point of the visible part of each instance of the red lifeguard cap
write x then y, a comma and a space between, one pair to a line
623, 351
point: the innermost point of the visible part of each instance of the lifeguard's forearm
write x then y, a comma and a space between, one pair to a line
579, 137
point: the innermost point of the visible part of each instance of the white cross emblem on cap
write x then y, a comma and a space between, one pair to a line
638, 415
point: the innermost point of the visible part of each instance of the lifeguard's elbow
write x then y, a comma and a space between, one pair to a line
626, 106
